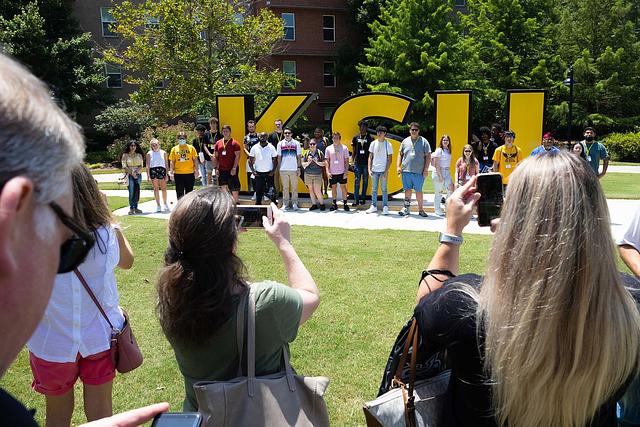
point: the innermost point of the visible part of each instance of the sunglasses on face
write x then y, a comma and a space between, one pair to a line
287, 133
75, 249
414, 130
467, 151
312, 143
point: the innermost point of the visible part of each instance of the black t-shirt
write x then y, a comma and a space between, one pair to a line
13, 413
274, 138
484, 153
360, 146
447, 319
250, 140
199, 143
212, 138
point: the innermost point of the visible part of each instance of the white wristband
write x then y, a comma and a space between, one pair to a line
451, 238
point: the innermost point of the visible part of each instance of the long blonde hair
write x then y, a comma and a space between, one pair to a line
561, 332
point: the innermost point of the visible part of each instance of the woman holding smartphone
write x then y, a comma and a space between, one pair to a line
549, 336
203, 280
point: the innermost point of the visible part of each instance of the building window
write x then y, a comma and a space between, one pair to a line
460, 2
330, 74
289, 26
327, 112
108, 22
114, 75
289, 70
329, 28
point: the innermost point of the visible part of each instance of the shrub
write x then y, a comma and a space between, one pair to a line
124, 119
623, 146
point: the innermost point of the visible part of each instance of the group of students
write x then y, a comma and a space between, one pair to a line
550, 335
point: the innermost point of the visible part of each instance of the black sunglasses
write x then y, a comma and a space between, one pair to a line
75, 249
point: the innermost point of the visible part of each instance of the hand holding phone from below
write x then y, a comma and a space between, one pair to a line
489, 186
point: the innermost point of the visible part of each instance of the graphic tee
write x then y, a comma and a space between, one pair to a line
508, 159
361, 146
289, 152
182, 157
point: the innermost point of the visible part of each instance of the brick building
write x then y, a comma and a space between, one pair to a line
314, 32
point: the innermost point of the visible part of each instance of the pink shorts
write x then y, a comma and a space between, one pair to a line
55, 379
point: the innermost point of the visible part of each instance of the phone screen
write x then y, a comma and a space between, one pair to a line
490, 188
251, 216
177, 419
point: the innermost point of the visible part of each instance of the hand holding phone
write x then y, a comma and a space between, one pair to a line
250, 216
491, 198
177, 419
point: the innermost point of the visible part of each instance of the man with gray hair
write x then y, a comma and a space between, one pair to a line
38, 236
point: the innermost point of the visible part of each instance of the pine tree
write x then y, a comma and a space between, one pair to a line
413, 51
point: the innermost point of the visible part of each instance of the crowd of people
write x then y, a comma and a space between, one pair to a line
276, 162
548, 336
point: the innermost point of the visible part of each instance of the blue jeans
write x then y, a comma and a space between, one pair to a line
362, 173
379, 177
203, 168
134, 191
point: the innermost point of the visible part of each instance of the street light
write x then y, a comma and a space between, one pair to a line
570, 82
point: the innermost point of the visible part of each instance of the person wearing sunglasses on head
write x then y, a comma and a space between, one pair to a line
72, 339
38, 237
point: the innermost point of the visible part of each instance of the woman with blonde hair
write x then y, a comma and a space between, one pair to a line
549, 336
157, 166
441, 175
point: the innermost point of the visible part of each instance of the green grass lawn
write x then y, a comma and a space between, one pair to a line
368, 281
621, 185
624, 163
116, 202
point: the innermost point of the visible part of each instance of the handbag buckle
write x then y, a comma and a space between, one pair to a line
397, 383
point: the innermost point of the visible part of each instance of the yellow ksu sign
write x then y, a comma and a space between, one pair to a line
525, 116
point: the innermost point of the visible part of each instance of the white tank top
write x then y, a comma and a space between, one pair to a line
157, 159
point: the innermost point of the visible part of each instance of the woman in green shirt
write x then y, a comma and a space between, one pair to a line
200, 286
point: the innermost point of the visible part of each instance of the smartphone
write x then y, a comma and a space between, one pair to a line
177, 419
489, 186
250, 216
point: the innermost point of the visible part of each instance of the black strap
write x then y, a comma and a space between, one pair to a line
93, 297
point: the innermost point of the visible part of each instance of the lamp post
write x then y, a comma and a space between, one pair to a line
569, 81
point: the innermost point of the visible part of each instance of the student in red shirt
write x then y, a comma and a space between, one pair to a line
227, 155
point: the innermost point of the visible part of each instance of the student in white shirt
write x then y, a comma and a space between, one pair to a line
263, 160
73, 339
380, 153
441, 175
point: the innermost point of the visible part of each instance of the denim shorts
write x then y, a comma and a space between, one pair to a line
412, 181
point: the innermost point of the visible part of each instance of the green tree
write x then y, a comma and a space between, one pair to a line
509, 44
600, 39
197, 49
44, 36
413, 51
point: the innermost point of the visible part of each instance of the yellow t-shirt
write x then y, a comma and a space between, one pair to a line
182, 158
508, 159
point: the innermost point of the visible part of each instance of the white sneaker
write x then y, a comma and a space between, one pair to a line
159, 209
372, 209
166, 208
265, 199
439, 212
295, 207
404, 212
253, 197
385, 210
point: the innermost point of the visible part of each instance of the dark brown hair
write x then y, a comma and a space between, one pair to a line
195, 286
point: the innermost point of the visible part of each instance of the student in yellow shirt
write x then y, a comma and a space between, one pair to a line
183, 165
507, 157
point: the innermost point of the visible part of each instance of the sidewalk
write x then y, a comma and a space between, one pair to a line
621, 212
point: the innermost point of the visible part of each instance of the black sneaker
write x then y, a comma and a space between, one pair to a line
334, 207
354, 204
322, 207
362, 202
313, 207
345, 206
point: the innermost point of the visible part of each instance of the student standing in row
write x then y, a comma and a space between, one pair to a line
157, 173
380, 154
227, 156
183, 165
360, 149
313, 163
337, 165
263, 161
507, 157
441, 175
413, 163
289, 152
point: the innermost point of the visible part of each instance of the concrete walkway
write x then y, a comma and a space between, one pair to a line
621, 212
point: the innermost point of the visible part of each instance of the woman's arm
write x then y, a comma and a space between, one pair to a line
126, 253
447, 256
148, 170
279, 231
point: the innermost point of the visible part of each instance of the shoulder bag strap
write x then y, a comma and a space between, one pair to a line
93, 297
240, 317
251, 346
